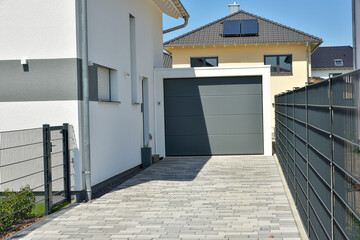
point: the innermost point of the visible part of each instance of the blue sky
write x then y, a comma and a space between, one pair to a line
327, 19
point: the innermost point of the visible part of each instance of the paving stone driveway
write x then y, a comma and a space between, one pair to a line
232, 197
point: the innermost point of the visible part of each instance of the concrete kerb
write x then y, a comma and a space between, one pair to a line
293, 208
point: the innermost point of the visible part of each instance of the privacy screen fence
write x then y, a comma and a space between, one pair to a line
317, 143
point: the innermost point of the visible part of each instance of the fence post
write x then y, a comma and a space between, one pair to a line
47, 168
332, 159
307, 159
66, 159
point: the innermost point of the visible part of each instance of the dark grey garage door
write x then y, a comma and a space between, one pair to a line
213, 116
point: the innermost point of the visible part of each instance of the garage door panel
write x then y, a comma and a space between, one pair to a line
208, 116
214, 144
211, 105
217, 124
213, 87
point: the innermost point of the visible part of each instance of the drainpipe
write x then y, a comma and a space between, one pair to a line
307, 61
186, 21
85, 122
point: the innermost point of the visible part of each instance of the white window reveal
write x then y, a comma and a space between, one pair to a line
339, 62
104, 84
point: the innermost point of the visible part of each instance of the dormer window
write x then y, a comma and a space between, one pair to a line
339, 62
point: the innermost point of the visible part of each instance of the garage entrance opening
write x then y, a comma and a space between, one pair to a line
213, 116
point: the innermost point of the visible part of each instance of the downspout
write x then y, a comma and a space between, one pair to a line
186, 21
85, 130
307, 61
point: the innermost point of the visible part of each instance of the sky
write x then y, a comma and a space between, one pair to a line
330, 20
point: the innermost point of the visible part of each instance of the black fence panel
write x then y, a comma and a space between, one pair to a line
317, 143
35, 173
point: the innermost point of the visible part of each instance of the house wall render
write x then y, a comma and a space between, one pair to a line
48, 89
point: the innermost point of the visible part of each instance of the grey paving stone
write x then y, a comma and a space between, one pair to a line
229, 197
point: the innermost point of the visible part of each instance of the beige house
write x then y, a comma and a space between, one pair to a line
244, 39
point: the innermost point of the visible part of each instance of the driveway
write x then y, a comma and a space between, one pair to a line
231, 197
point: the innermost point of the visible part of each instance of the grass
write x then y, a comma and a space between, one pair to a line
39, 208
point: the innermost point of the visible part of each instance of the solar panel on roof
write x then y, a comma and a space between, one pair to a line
232, 28
249, 27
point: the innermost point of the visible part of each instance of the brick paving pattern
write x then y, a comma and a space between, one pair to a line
228, 197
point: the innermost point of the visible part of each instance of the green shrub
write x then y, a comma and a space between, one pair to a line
18, 204
6, 209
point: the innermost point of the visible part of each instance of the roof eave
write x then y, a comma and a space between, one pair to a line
172, 8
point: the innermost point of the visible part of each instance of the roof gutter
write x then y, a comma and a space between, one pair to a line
186, 21
184, 14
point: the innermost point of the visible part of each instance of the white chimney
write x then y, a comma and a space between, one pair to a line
233, 8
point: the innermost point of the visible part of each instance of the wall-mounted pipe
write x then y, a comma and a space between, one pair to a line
186, 21
85, 112
307, 62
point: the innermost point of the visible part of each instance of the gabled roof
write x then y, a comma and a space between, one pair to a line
269, 32
324, 57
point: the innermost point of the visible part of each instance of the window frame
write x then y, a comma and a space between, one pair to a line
339, 60
113, 84
204, 58
278, 73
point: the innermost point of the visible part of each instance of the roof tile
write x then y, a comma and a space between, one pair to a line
269, 32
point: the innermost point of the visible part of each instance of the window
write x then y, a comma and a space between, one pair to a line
104, 84
204, 61
133, 61
339, 62
280, 64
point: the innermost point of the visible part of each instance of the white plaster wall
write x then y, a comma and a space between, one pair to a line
161, 74
37, 29
325, 73
28, 115
116, 128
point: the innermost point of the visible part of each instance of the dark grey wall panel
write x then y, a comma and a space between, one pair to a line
229, 86
214, 145
207, 116
44, 80
193, 125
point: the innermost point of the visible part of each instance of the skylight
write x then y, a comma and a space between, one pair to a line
339, 62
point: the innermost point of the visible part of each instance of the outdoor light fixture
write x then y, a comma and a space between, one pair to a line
25, 64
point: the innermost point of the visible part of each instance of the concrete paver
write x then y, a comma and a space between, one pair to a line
222, 197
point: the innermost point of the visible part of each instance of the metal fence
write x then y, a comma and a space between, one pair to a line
31, 182
317, 143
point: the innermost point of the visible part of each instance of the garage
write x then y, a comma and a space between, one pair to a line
213, 115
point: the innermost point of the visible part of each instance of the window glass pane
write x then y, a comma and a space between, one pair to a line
285, 64
197, 62
211, 62
271, 60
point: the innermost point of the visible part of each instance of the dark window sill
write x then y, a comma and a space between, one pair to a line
111, 102
281, 74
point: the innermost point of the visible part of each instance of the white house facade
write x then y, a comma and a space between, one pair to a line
40, 74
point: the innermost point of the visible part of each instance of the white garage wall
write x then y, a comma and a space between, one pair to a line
161, 74
116, 128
